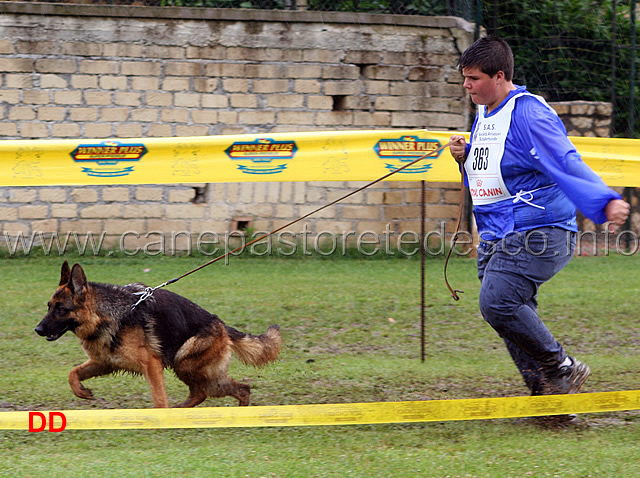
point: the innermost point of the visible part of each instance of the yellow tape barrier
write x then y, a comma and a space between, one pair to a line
330, 414
314, 156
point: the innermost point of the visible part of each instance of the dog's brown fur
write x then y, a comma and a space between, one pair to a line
164, 331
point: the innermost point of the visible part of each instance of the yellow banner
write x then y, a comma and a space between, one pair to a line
314, 156
322, 414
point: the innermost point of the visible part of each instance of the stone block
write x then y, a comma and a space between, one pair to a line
215, 101
10, 96
243, 101
84, 195
61, 130
22, 195
84, 81
146, 115
234, 85
98, 98
101, 211
144, 83
142, 211
149, 193
307, 86
17, 113
116, 115
256, 117
52, 195
8, 214
53, 81
98, 67
285, 101
271, 86
71, 97
98, 130
33, 130
176, 84
156, 98
175, 115
56, 65
34, 97
361, 212
83, 114
66, 211
33, 212
16, 65
115, 194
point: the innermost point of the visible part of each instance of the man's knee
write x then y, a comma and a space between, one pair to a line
493, 306
500, 302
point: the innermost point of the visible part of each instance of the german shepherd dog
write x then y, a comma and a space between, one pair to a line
164, 331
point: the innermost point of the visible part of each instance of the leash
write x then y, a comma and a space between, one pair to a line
454, 292
148, 292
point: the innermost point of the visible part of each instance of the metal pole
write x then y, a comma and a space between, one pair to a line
423, 214
632, 83
614, 39
476, 33
632, 119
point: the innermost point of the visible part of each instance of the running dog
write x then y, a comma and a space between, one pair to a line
164, 331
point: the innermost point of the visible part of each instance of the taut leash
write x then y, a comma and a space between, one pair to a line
148, 292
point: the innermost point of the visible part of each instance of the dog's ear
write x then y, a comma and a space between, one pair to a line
78, 279
65, 274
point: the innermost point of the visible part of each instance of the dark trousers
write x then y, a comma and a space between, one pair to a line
511, 270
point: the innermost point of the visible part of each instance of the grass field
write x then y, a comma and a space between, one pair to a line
351, 329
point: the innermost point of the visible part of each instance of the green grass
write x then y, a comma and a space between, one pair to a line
352, 334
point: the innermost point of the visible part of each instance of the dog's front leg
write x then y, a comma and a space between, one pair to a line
84, 371
153, 372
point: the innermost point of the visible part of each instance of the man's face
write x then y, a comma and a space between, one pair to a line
482, 87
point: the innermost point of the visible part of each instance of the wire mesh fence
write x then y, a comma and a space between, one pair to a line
564, 49
573, 50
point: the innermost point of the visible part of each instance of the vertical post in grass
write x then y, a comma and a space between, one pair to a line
422, 258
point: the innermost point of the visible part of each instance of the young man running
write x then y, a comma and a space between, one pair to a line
526, 180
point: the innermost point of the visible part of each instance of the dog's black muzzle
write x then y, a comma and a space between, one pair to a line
52, 331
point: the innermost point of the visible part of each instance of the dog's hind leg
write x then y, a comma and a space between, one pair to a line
84, 371
224, 386
242, 393
204, 386
196, 397
202, 363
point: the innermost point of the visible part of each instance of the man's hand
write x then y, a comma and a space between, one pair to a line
617, 212
458, 147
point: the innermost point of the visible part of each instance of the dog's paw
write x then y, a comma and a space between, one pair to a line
85, 393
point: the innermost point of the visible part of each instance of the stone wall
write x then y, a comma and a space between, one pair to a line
585, 118
69, 71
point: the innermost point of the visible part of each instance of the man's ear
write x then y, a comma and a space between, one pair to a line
65, 273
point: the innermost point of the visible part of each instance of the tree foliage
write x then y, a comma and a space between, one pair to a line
570, 49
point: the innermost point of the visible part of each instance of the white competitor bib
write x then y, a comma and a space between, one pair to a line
482, 166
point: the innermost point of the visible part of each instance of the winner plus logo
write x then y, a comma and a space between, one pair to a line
109, 158
262, 156
404, 150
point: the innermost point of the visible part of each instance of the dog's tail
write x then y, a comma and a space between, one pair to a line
256, 350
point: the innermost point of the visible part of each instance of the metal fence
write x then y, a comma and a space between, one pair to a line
564, 49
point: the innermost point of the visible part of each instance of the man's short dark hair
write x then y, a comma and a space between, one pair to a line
490, 55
